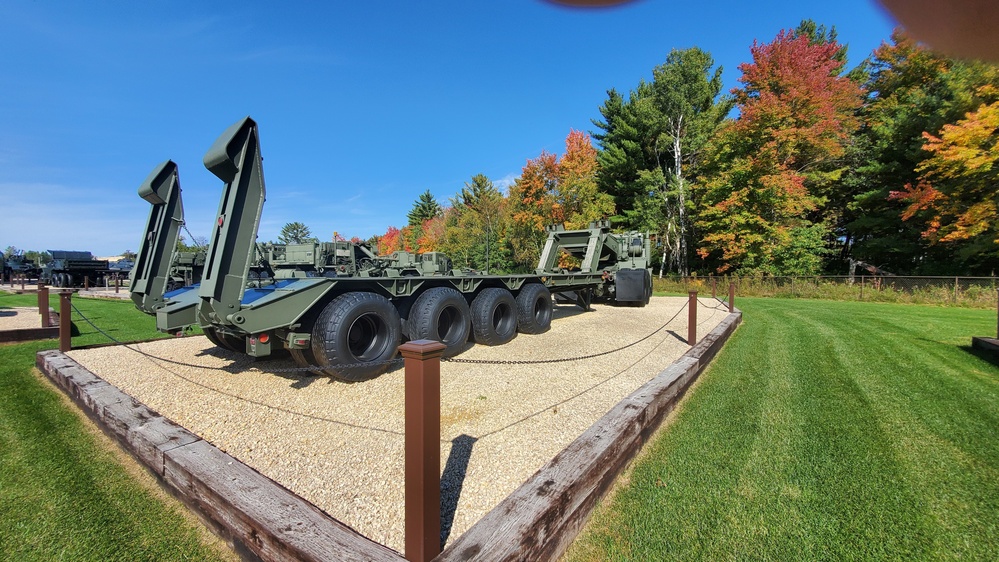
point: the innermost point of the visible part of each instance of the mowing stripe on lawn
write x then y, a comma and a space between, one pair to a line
824, 430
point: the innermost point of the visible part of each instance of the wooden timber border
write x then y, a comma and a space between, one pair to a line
263, 520
542, 517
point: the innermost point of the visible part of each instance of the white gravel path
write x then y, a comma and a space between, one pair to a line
340, 446
19, 318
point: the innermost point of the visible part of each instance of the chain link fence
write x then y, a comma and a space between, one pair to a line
971, 292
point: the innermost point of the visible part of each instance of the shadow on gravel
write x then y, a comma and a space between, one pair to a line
677, 336
452, 480
566, 311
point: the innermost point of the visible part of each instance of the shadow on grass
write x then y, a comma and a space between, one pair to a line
983, 354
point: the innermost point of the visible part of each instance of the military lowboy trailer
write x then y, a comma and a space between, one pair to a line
350, 326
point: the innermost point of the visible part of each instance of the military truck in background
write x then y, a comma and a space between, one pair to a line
72, 269
16, 265
341, 310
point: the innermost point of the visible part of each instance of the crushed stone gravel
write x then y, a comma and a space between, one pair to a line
341, 446
19, 318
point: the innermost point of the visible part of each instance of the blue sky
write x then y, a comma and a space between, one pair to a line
362, 106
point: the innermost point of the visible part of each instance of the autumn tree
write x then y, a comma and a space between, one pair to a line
771, 169
433, 230
389, 242
955, 196
912, 91
555, 190
474, 231
532, 207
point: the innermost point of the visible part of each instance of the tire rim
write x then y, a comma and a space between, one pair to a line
540, 309
447, 323
501, 318
366, 337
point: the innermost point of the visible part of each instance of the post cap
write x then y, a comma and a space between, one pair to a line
419, 349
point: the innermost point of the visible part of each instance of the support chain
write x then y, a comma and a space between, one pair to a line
312, 370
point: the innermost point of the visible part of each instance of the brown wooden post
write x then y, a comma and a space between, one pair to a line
423, 449
691, 317
39, 295
86, 282
116, 283
23, 275
65, 321
43, 303
731, 297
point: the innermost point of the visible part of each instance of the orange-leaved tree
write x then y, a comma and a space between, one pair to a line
956, 194
390, 242
553, 190
770, 168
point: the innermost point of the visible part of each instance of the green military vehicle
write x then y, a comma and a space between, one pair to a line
342, 311
73, 269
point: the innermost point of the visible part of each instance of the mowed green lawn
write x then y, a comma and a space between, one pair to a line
823, 431
65, 493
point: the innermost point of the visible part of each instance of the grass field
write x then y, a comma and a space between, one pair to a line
65, 493
823, 431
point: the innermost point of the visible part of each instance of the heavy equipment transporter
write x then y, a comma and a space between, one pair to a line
72, 268
344, 314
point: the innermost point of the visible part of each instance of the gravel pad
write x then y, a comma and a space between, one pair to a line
19, 318
340, 446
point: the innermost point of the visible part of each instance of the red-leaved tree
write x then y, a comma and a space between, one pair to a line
769, 169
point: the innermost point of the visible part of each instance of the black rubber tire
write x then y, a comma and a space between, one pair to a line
648, 287
305, 358
235, 343
534, 309
215, 339
440, 314
356, 335
494, 316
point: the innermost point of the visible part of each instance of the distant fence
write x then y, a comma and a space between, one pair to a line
972, 292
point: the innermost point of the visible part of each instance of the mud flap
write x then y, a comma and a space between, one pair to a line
630, 285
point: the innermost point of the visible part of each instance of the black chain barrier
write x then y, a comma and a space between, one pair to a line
398, 360
232, 369
155, 360
562, 359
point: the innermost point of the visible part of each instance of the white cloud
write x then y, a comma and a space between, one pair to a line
57, 217
503, 184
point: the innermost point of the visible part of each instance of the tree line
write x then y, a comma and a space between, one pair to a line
802, 167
